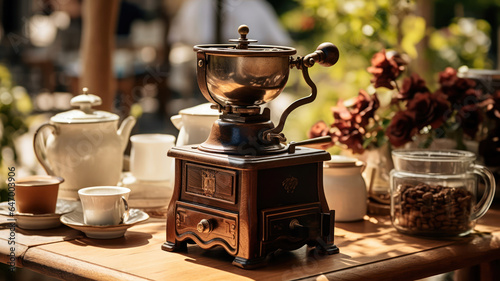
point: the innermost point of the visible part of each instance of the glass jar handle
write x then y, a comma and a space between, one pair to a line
489, 191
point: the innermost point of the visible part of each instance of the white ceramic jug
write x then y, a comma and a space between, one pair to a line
84, 146
345, 188
194, 124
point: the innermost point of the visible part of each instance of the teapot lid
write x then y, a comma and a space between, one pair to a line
85, 114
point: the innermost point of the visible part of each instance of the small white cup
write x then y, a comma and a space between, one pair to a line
148, 156
104, 205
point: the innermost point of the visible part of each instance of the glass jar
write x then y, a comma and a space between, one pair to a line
433, 192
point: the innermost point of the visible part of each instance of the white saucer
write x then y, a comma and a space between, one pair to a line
75, 220
40, 221
147, 194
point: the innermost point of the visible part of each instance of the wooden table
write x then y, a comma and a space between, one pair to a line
369, 250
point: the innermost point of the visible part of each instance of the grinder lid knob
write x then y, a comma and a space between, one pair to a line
243, 42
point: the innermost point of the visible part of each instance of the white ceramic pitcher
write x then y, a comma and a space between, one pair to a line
84, 146
345, 188
194, 124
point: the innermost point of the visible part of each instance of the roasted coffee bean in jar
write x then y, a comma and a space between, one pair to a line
433, 193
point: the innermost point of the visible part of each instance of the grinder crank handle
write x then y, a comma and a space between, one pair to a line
318, 140
326, 54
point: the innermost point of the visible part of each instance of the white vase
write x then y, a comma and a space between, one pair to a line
378, 166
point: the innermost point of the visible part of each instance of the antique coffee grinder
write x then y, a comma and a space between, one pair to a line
244, 188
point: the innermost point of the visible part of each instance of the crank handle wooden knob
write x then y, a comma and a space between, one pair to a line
326, 54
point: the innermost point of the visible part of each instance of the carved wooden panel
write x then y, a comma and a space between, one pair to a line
207, 225
210, 182
288, 185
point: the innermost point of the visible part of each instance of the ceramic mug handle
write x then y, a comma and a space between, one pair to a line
489, 191
40, 148
125, 214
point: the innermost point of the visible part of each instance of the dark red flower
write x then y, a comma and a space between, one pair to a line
342, 116
492, 105
349, 122
365, 107
384, 70
358, 115
319, 129
469, 117
401, 129
412, 85
496, 100
454, 87
352, 138
428, 109
448, 77
401, 60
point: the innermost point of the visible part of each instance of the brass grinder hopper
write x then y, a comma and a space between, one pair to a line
239, 78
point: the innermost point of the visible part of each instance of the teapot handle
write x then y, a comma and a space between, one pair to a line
40, 148
489, 191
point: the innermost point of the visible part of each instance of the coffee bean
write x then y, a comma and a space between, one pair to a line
437, 209
427, 196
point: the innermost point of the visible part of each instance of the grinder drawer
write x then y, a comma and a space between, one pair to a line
207, 184
290, 227
207, 225
296, 222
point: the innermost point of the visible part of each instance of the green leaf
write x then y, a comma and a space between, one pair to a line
368, 141
413, 28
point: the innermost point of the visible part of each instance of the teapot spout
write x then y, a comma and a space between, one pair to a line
125, 129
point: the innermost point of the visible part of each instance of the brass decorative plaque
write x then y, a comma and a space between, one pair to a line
208, 182
289, 184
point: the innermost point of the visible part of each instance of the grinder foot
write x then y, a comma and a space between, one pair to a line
174, 247
249, 263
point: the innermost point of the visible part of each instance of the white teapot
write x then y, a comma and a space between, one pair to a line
194, 124
84, 146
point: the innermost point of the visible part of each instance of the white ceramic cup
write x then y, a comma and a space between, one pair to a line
104, 205
148, 156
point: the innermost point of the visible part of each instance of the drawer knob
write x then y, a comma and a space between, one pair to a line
204, 226
294, 224
297, 229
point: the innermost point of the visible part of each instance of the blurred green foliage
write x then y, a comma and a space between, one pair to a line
15, 107
465, 41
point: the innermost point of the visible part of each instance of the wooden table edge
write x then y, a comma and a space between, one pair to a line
68, 268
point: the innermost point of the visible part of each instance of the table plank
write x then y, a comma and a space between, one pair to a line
21, 239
